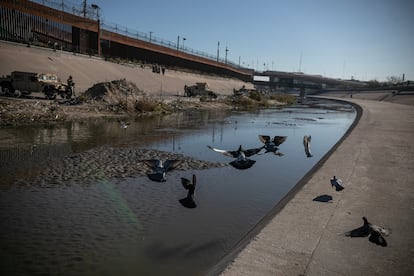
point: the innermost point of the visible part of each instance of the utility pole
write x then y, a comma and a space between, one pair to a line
218, 50
225, 60
178, 43
84, 8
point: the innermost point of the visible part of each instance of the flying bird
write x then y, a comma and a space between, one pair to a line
161, 168
306, 144
241, 162
337, 183
271, 145
376, 233
190, 187
123, 124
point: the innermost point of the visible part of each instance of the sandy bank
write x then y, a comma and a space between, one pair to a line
87, 71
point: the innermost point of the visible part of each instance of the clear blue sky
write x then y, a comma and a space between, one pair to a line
366, 39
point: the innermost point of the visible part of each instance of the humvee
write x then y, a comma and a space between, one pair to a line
24, 83
200, 89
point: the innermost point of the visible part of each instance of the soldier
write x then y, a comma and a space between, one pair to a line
71, 85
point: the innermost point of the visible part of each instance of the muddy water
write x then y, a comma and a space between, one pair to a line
75, 199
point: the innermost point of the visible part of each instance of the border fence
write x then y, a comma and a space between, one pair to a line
27, 28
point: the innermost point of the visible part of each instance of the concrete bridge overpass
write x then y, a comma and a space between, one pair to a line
29, 22
277, 79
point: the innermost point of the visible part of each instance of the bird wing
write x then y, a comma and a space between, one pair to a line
171, 164
362, 231
264, 139
152, 163
337, 184
381, 230
377, 238
250, 152
278, 140
186, 183
306, 144
278, 153
225, 152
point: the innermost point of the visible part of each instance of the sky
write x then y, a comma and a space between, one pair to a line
363, 39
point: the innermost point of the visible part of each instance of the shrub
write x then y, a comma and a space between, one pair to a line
145, 105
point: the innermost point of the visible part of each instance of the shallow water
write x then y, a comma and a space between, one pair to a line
74, 200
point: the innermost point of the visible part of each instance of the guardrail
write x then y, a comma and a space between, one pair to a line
92, 12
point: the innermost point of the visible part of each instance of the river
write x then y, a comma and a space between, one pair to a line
62, 213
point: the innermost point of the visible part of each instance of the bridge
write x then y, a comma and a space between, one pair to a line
278, 79
59, 27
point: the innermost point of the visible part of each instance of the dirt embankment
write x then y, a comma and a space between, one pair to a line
87, 71
104, 88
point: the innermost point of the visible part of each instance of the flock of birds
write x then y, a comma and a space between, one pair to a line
375, 233
241, 155
160, 168
242, 161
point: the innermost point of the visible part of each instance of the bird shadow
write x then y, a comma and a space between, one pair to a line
242, 164
188, 202
323, 198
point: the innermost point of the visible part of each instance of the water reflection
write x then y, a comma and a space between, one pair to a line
114, 221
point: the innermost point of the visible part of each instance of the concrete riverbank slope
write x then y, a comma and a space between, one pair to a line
87, 71
376, 164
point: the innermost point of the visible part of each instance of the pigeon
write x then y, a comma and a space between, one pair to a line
271, 145
123, 124
189, 185
376, 233
337, 183
306, 144
241, 162
160, 168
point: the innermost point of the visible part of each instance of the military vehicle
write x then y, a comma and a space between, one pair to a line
200, 89
24, 83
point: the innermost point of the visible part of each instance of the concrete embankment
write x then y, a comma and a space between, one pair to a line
87, 71
375, 162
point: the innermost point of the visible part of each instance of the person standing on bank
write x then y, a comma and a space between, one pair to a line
71, 85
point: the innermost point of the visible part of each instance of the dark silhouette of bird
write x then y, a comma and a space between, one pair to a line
376, 233
323, 198
306, 144
272, 145
241, 162
337, 183
190, 186
160, 168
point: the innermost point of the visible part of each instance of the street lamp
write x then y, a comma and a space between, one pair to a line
184, 39
96, 7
